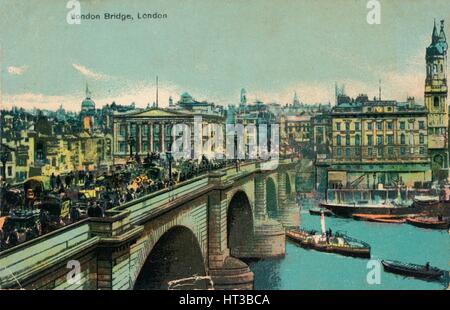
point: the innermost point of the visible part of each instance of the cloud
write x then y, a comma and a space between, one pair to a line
140, 93
89, 73
17, 70
40, 101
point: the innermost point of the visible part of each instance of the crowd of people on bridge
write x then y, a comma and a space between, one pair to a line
81, 194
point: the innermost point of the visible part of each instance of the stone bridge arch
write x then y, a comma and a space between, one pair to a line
176, 255
240, 223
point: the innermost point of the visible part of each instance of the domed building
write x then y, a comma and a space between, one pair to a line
88, 104
187, 102
87, 112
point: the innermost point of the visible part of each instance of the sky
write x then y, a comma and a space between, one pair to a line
212, 49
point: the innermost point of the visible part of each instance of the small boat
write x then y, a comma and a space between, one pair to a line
429, 222
318, 211
426, 200
338, 244
412, 270
389, 221
380, 218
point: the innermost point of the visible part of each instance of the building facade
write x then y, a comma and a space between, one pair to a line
379, 142
145, 131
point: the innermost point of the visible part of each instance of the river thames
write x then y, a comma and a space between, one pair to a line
308, 269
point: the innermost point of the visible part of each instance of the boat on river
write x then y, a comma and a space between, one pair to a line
338, 243
380, 218
364, 207
318, 211
429, 222
412, 270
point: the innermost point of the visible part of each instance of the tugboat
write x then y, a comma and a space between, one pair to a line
338, 243
413, 270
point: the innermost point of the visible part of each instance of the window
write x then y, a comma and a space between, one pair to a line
168, 130
402, 125
390, 125
436, 102
421, 125
133, 130
357, 152
369, 139
421, 139
369, 152
379, 126
380, 140
422, 150
380, 152
369, 126
145, 131
347, 153
402, 151
402, 139
123, 130
390, 139
347, 126
338, 126
122, 147
9, 171
338, 152
357, 140
390, 151
144, 146
357, 126
347, 139
338, 140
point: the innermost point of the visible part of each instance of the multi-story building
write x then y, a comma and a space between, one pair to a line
150, 130
436, 91
379, 141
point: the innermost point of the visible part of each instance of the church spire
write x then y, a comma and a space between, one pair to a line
434, 37
88, 93
296, 100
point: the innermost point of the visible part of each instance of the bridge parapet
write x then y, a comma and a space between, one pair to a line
33, 263
29, 264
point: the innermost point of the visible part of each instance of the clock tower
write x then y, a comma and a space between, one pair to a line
436, 99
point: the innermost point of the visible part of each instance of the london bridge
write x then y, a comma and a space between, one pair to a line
202, 226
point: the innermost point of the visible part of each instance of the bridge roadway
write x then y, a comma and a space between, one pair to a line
203, 226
